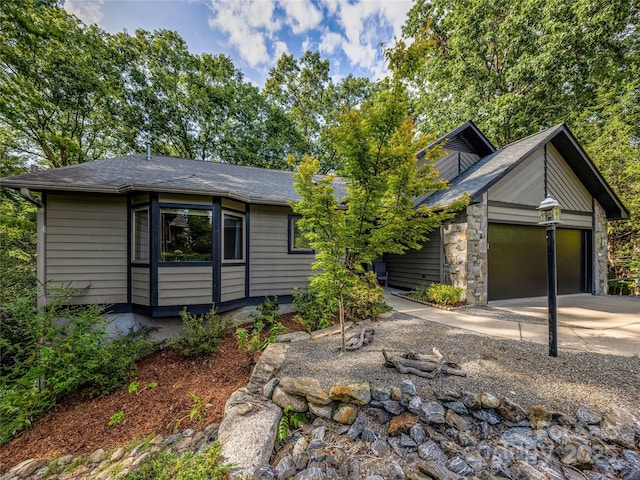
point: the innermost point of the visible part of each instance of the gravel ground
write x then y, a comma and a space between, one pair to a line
520, 371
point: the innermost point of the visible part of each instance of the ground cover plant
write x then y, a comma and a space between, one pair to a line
54, 349
265, 329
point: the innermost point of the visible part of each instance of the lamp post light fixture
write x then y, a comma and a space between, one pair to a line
550, 211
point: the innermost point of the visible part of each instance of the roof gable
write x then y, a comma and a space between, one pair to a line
487, 171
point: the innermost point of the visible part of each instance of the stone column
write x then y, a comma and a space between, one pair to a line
454, 242
600, 242
477, 255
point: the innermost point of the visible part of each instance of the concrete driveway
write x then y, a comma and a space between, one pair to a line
583, 310
606, 324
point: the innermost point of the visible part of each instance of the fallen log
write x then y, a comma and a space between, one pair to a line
355, 342
425, 366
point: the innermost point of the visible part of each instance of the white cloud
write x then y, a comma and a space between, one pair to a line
301, 15
261, 30
248, 23
330, 42
307, 44
89, 12
279, 48
367, 25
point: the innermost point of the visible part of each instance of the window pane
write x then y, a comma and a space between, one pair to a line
141, 235
186, 235
297, 241
233, 244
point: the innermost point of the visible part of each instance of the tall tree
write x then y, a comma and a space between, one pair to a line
512, 67
59, 85
304, 90
376, 144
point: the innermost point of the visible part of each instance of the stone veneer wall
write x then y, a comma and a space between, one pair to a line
600, 250
477, 255
465, 253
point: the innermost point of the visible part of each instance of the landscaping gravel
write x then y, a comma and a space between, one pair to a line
520, 371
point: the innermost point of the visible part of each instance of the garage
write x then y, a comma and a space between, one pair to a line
517, 261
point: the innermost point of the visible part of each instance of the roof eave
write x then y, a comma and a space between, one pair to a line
129, 188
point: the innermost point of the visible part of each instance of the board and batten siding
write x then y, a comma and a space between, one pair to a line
273, 271
140, 292
86, 246
524, 189
416, 268
233, 281
188, 285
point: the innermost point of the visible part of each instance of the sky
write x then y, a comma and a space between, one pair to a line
255, 33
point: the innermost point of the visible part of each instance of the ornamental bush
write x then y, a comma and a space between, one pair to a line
56, 349
201, 334
314, 309
440, 294
366, 299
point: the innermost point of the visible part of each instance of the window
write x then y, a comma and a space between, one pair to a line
186, 235
232, 237
298, 243
140, 240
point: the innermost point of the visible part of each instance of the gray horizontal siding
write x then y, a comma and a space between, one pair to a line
188, 285
416, 267
233, 281
273, 271
86, 246
140, 286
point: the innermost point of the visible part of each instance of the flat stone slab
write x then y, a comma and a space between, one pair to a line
293, 337
268, 365
332, 330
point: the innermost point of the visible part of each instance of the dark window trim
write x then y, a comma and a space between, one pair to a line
154, 249
291, 250
247, 267
230, 263
189, 206
131, 229
216, 220
162, 264
233, 261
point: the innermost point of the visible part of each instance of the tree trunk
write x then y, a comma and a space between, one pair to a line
341, 315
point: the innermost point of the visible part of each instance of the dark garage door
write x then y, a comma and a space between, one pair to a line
518, 261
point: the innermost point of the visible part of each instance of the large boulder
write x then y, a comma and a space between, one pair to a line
247, 433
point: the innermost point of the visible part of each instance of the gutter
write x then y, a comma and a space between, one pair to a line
26, 194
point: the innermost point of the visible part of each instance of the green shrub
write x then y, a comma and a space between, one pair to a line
201, 334
61, 350
440, 294
290, 420
254, 341
314, 310
366, 299
206, 465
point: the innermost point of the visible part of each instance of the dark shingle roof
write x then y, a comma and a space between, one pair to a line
166, 174
275, 187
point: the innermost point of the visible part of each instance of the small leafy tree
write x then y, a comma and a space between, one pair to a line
377, 144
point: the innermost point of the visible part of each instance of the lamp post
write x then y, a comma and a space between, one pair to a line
550, 217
